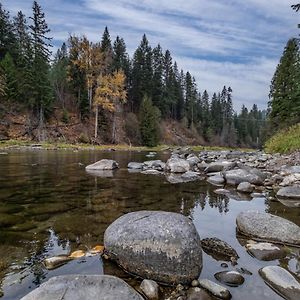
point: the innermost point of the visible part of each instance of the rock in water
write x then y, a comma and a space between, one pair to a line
84, 287
268, 227
245, 187
135, 166
231, 278
289, 192
282, 281
177, 165
103, 164
218, 249
56, 261
198, 294
150, 289
156, 245
214, 288
236, 176
265, 251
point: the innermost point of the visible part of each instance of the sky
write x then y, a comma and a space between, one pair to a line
235, 43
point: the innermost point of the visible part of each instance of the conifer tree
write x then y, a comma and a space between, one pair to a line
121, 58
149, 123
107, 51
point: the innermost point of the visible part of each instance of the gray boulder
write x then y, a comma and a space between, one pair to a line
150, 289
231, 278
156, 245
154, 164
218, 166
216, 180
268, 227
183, 178
84, 287
236, 176
103, 164
214, 288
177, 165
282, 281
265, 251
135, 165
245, 187
289, 192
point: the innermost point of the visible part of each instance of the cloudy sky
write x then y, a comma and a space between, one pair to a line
235, 43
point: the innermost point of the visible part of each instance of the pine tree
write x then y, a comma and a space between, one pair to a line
40, 68
107, 51
149, 123
190, 98
2, 83
284, 102
121, 58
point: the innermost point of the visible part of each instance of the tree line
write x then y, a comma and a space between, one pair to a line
102, 83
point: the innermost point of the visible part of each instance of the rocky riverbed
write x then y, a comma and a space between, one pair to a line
165, 249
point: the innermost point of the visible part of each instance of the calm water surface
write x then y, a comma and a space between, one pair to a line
50, 205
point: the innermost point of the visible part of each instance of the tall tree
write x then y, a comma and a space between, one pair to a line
2, 84
41, 58
107, 51
284, 104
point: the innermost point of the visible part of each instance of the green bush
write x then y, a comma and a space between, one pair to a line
285, 141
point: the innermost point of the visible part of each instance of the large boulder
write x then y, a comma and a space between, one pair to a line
135, 166
177, 165
84, 287
282, 281
218, 166
103, 164
183, 178
268, 227
289, 192
245, 187
161, 246
236, 176
154, 165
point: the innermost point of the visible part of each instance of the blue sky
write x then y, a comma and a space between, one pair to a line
235, 43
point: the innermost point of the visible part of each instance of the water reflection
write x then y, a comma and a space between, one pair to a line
50, 205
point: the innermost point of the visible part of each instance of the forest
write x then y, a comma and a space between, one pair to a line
122, 98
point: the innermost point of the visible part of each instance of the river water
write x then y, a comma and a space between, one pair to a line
49, 205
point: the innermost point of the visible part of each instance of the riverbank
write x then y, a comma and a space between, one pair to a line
12, 144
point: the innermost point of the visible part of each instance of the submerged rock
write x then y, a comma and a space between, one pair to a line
265, 251
289, 192
84, 287
177, 165
268, 227
156, 245
198, 294
231, 278
282, 281
154, 165
218, 249
182, 178
56, 261
214, 288
103, 164
150, 289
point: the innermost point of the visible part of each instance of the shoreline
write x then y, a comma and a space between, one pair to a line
27, 144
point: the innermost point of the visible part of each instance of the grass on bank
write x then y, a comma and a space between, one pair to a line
11, 144
285, 141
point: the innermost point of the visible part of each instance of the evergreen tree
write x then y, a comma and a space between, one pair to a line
284, 102
190, 98
40, 67
141, 73
107, 51
149, 123
120, 58
178, 93
2, 83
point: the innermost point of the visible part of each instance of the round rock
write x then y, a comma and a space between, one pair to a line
156, 245
268, 227
289, 192
245, 187
265, 251
150, 289
282, 281
216, 289
84, 287
177, 165
231, 278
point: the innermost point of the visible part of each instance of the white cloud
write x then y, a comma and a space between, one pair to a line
231, 42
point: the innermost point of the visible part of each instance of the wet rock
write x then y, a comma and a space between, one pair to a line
231, 278
216, 179
103, 164
84, 287
222, 191
193, 160
282, 281
224, 265
268, 227
177, 165
195, 283
150, 289
154, 164
198, 294
156, 245
245, 187
151, 172
101, 173
182, 178
135, 165
289, 192
214, 288
289, 202
258, 195
220, 166
218, 249
236, 176
244, 271
56, 261
265, 251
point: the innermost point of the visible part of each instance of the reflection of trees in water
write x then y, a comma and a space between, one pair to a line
220, 202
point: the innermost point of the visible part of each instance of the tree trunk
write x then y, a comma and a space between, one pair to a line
114, 129
96, 122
